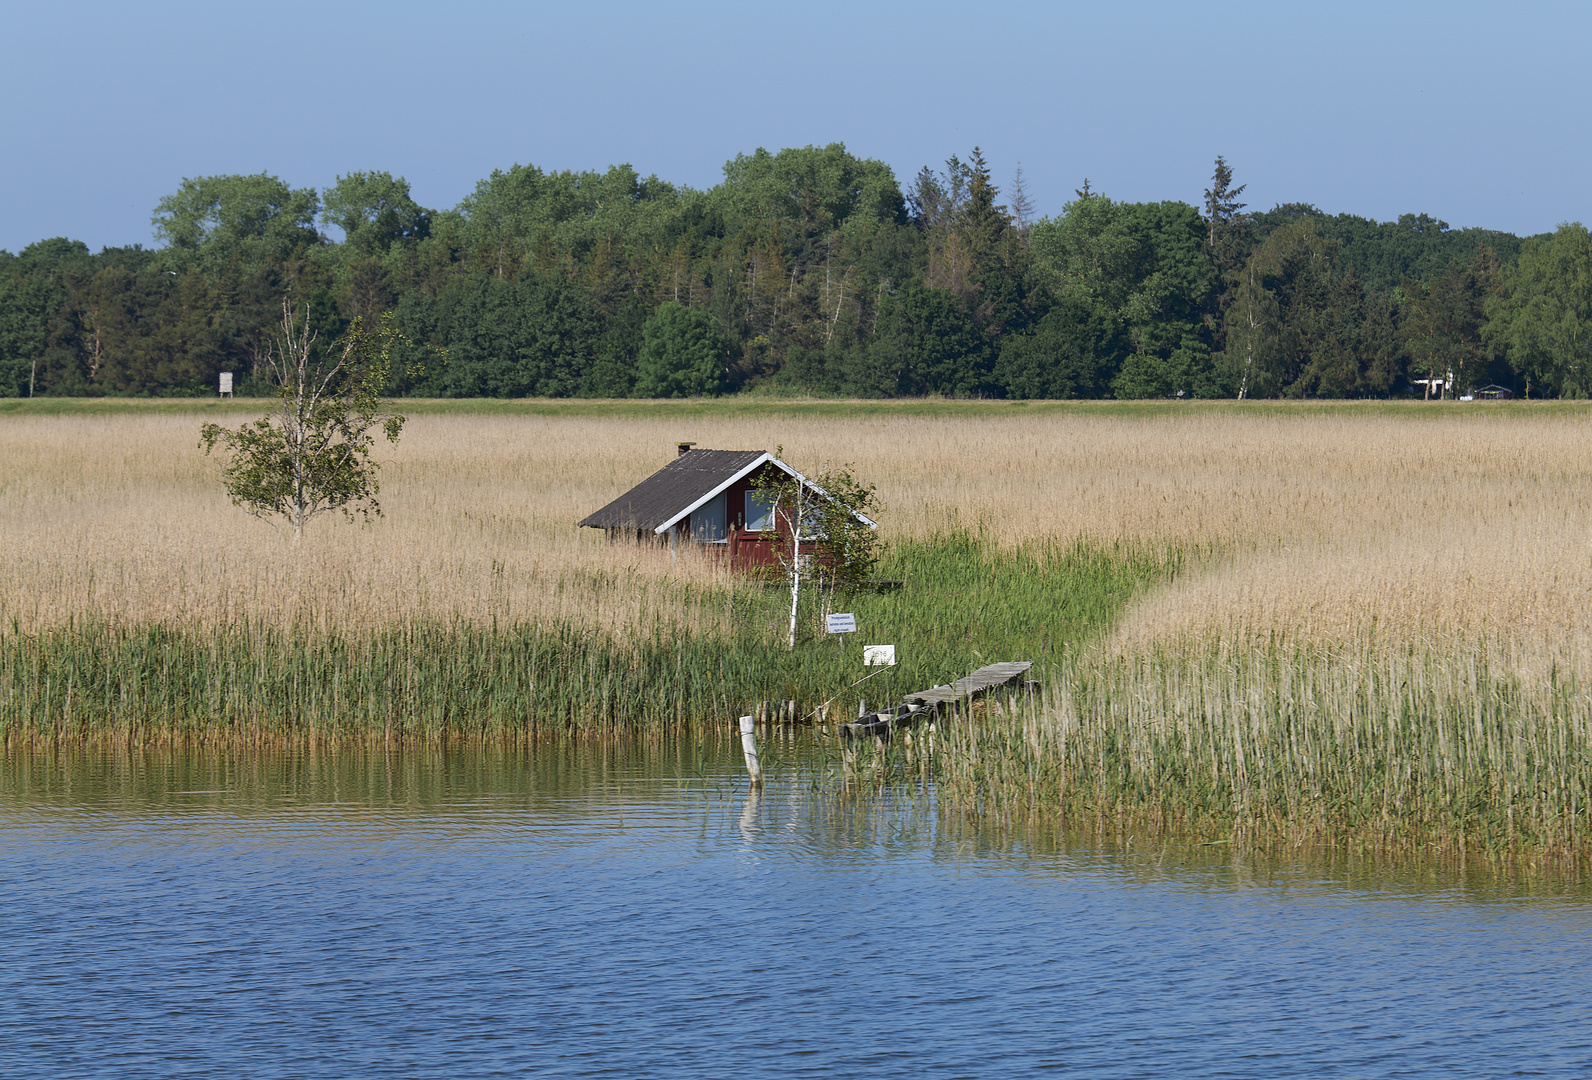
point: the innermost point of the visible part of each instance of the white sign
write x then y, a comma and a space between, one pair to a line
878, 655
841, 623
226, 382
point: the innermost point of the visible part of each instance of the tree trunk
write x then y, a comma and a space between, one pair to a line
795, 563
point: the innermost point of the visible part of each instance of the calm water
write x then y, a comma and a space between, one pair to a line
625, 911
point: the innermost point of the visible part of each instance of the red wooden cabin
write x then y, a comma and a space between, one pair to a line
707, 498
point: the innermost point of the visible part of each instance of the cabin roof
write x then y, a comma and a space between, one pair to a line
663, 499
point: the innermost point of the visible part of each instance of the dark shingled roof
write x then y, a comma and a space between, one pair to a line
671, 489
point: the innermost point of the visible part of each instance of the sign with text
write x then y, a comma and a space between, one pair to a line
226, 382
878, 656
841, 623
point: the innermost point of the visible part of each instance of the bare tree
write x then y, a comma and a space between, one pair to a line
1018, 202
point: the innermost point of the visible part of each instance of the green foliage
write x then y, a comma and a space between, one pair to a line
1300, 323
925, 343
1227, 239
818, 190
211, 221
851, 556
32, 291
315, 456
682, 354
1064, 356
1252, 332
1183, 371
1384, 254
547, 220
1145, 267
840, 514
820, 275
375, 211
1445, 320
532, 337
1545, 322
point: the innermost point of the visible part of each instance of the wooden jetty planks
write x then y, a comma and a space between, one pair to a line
985, 678
931, 700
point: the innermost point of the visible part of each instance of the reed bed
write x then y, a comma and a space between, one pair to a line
1448, 747
966, 600
132, 594
118, 517
121, 520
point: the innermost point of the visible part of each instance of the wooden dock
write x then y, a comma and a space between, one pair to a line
930, 702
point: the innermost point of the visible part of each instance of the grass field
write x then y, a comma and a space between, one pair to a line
1295, 620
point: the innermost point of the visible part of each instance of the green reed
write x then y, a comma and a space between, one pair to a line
963, 602
1445, 747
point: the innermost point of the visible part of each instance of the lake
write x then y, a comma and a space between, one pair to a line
624, 909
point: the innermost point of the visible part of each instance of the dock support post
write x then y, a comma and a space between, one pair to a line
754, 768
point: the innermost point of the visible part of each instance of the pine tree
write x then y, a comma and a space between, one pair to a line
1227, 236
1224, 240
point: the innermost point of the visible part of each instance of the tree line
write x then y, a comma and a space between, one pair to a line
809, 270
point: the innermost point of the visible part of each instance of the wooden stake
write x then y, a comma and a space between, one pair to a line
754, 768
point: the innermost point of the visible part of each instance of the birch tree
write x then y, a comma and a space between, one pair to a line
314, 454
830, 516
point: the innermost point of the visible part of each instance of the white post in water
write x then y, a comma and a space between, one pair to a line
749, 747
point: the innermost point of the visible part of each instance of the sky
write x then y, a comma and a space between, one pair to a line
1474, 113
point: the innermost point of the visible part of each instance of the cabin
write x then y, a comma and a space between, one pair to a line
708, 498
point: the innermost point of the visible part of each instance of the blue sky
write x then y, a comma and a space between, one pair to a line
1473, 113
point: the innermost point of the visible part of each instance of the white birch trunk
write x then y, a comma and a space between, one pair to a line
795, 563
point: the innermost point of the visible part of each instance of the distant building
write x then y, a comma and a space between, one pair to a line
708, 498
1432, 386
1494, 393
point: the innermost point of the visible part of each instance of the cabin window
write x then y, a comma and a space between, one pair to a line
759, 511
707, 520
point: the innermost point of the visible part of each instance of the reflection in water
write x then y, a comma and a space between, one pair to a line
631, 908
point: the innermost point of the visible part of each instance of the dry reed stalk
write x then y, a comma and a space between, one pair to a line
121, 520
1327, 520
1464, 524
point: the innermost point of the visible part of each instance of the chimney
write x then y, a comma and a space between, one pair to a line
685, 448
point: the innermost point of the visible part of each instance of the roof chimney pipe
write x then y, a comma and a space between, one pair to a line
685, 448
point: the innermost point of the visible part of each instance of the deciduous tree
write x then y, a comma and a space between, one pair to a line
211, 221
375, 211
831, 514
683, 354
1545, 321
314, 456
1445, 318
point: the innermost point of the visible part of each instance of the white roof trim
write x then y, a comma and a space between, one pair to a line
746, 471
704, 500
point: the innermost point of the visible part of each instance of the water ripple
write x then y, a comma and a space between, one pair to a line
638, 925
